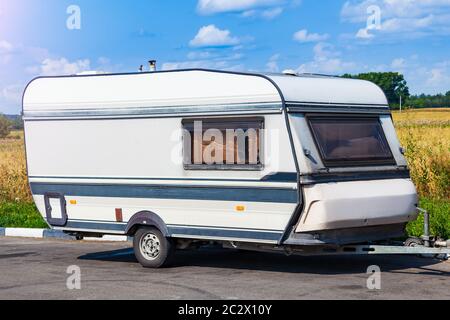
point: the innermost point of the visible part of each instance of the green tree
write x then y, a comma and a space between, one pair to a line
16, 123
393, 84
5, 126
429, 101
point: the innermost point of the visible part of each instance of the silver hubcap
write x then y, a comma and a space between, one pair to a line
150, 246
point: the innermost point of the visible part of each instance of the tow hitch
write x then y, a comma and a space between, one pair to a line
427, 245
427, 240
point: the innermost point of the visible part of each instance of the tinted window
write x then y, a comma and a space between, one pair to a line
351, 141
212, 144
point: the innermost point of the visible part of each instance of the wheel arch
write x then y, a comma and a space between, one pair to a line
146, 219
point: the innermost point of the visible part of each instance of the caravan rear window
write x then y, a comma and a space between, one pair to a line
223, 144
351, 141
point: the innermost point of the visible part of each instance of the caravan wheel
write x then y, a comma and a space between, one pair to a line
151, 248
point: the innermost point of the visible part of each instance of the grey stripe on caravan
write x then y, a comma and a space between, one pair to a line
84, 225
153, 111
246, 194
223, 234
184, 231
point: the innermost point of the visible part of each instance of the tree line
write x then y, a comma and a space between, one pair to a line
395, 87
429, 101
8, 123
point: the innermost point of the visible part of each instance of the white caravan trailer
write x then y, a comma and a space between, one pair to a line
319, 164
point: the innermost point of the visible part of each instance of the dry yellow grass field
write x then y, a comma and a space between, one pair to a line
422, 117
13, 178
424, 133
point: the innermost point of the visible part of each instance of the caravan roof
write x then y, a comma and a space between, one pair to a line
184, 90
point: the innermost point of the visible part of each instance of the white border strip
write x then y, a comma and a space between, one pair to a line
21, 232
54, 234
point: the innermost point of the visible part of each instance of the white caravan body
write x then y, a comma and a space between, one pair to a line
108, 153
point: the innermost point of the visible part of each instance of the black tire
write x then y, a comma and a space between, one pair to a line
151, 248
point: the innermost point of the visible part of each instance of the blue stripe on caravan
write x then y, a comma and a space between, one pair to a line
272, 195
281, 177
183, 231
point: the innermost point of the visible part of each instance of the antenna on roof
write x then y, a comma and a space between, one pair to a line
141, 68
152, 64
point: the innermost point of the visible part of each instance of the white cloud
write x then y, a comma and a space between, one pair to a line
202, 64
208, 60
402, 24
19, 63
326, 60
202, 55
437, 78
398, 64
6, 51
62, 66
272, 64
364, 34
267, 14
219, 6
272, 13
249, 13
211, 36
5, 46
265, 9
103, 61
422, 77
324, 51
303, 36
356, 10
12, 93
401, 18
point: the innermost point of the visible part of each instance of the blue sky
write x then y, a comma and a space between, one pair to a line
326, 36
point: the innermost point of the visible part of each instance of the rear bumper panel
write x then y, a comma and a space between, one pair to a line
359, 204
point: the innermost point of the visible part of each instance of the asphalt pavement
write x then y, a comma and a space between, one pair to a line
38, 269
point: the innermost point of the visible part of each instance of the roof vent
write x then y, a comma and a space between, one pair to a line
290, 72
152, 65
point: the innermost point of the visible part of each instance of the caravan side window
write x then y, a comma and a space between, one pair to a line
223, 144
351, 141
